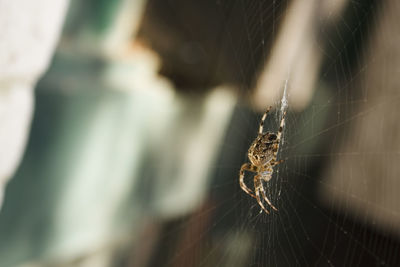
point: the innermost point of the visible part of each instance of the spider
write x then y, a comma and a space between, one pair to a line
262, 155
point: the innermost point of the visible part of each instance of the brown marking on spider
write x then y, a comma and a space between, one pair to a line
262, 155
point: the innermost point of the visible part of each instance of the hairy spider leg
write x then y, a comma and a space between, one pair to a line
266, 175
260, 130
280, 130
246, 167
278, 140
258, 187
277, 162
265, 197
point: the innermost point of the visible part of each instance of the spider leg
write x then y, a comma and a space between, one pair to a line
278, 140
258, 187
260, 130
281, 127
274, 163
246, 167
265, 197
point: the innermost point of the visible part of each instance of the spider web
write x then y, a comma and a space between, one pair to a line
313, 226
336, 192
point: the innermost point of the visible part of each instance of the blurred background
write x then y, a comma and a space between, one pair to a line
123, 126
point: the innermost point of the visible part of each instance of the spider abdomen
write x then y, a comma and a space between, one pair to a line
262, 149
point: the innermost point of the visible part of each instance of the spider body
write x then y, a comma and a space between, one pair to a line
262, 155
261, 150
